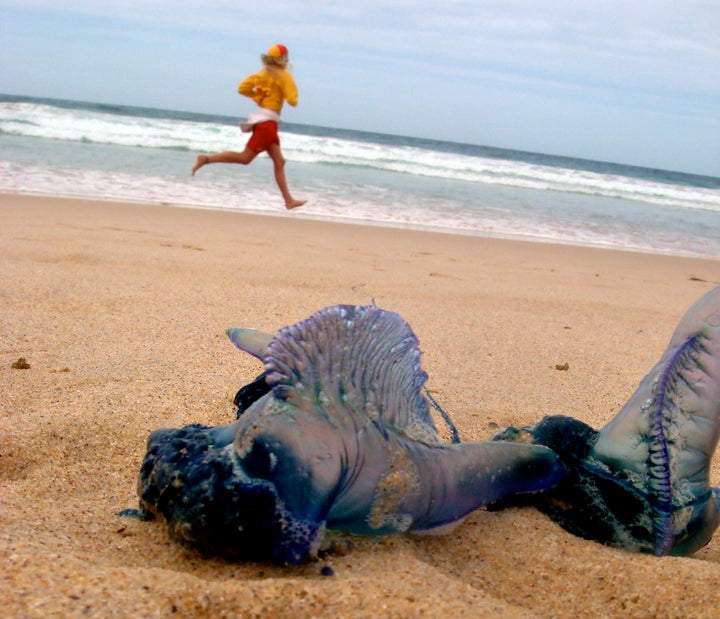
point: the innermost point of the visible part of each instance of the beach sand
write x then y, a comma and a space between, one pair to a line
120, 311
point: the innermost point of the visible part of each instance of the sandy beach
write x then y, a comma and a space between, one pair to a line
120, 311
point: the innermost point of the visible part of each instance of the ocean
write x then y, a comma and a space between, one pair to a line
114, 152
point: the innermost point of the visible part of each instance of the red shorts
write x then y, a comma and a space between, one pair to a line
264, 134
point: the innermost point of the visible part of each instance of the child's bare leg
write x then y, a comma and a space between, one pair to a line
279, 167
228, 156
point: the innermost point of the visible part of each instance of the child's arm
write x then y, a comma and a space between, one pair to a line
289, 89
249, 88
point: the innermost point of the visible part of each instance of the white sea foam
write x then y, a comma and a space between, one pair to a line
48, 122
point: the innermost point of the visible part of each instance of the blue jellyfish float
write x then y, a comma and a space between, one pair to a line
337, 434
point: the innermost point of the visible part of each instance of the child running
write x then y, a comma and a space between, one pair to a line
269, 88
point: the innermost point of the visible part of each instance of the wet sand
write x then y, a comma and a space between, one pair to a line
120, 311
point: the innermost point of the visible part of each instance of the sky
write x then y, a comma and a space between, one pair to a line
634, 82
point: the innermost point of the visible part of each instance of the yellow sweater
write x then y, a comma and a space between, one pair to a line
269, 88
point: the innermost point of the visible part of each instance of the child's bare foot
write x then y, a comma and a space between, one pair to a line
294, 204
201, 161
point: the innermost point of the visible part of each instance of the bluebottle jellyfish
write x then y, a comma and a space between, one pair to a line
336, 434
642, 483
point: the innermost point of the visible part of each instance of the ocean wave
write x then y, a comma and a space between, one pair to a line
108, 125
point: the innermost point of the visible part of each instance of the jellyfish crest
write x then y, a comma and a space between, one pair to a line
353, 365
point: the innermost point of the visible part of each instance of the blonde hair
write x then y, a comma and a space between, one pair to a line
276, 61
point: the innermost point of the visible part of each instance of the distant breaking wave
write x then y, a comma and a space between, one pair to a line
151, 129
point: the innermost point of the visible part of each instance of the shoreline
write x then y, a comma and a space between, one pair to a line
299, 214
120, 311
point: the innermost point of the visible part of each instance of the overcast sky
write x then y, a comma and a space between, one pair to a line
633, 82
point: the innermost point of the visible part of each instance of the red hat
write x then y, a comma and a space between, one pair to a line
277, 50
